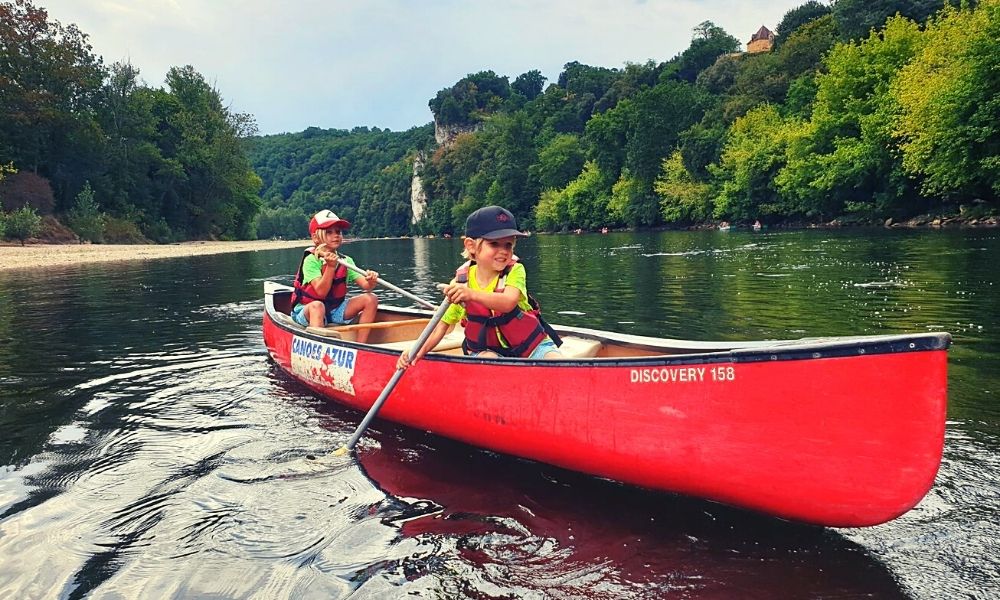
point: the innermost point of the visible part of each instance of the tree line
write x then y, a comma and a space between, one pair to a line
861, 111
116, 159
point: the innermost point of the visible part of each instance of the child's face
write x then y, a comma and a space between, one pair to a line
493, 254
332, 237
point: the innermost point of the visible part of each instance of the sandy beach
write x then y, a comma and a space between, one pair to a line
47, 255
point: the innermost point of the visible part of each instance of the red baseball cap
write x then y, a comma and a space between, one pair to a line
326, 219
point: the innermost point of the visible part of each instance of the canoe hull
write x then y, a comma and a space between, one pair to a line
846, 437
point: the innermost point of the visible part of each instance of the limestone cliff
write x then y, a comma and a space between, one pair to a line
418, 197
445, 134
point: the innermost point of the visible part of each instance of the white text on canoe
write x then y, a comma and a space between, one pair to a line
682, 374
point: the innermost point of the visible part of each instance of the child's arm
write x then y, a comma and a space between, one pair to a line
329, 262
440, 330
368, 281
503, 302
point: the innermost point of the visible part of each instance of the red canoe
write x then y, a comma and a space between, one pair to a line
842, 432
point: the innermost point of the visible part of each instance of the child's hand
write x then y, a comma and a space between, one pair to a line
404, 360
371, 276
457, 292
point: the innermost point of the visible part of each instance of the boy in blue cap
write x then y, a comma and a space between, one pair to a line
490, 295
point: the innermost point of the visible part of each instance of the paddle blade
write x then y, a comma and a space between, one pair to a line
342, 451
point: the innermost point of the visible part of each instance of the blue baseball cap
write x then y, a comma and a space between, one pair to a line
492, 223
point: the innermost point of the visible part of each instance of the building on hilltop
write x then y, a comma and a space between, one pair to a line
761, 41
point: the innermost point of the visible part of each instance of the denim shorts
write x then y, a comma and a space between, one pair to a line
543, 348
334, 317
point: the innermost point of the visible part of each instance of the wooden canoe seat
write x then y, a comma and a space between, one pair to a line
349, 332
578, 347
451, 341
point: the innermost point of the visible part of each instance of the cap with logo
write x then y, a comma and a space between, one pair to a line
326, 219
492, 223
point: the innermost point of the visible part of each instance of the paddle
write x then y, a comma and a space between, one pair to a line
398, 290
417, 345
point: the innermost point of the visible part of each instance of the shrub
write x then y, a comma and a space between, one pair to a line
86, 218
122, 231
23, 223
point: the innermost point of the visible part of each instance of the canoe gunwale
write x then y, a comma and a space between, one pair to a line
686, 352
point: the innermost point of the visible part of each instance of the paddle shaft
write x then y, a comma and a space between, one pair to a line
426, 333
398, 290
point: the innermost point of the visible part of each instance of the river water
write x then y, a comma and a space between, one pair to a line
149, 449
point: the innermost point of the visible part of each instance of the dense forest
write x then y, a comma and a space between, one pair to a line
860, 111
113, 158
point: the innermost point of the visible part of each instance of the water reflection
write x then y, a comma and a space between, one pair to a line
527, 528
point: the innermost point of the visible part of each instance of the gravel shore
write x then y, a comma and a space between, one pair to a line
33, 256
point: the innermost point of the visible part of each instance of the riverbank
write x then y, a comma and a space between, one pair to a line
33, 256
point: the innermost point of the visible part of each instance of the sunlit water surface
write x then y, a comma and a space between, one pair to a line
148, 448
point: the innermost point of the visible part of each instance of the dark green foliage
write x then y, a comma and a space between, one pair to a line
797, 17
529, 84
857, 18
709, 43
701, 146
338, 170
471, 99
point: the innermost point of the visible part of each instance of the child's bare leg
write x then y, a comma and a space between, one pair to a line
316, 313
367, 305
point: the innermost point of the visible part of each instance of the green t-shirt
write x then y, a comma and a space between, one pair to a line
517, 278
312, 268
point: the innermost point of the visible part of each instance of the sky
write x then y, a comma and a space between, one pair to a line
340, 64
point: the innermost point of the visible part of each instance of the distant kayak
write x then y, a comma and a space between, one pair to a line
839, 431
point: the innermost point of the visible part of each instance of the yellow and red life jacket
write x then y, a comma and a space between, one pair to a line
306, 293
522, 330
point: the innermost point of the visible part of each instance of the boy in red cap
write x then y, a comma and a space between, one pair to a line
490, 295
321, 280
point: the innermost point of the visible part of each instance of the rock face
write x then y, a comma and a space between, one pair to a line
445, 134
418, 197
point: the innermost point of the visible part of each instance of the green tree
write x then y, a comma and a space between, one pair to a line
797, 17
709, 43
856, 19
49, 77
755, 151
559, 162
949, 127
131, 185
217, 196
846, 157
529, 84
682, 198
471, 99
551, 213
22, 224
86, 218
